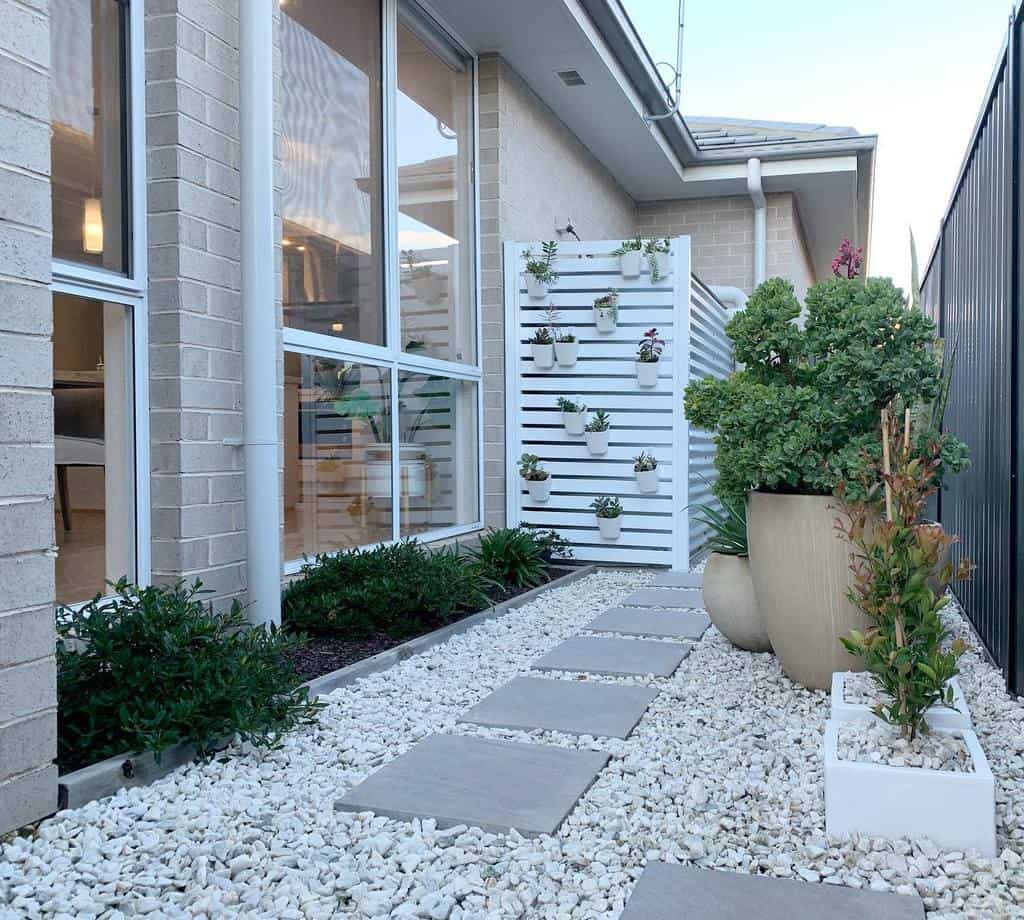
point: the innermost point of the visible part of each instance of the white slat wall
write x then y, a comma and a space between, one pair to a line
655, 527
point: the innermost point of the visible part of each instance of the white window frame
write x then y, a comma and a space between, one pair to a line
391, 355
131, 288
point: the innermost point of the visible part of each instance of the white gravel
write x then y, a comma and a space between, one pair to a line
724, 770
876, 742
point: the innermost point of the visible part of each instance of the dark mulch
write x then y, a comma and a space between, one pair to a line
324, 654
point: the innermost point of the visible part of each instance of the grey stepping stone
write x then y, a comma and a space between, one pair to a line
665, 597
493, 785
678, 580
577, 707
617, 657
673, 892
666, 624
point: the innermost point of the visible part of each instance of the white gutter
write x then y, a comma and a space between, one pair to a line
760, 219
732, 298
259, 332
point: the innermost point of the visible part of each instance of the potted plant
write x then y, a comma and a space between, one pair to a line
606, 312
567, 348
609, 516
647, 357
538, 479
629, 254
893, 774
727, 588
574, 413
797, 419
645, 466
658, 261
539, 275
428, 286
542, 347
596, 433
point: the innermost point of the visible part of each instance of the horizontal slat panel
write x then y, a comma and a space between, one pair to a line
582, 296
596, 365
619, 487
613, 553
577, 448
654, 400
630, 536
659, 505
560, 517
591, 384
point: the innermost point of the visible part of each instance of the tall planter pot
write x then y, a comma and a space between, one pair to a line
800, 570
728, 592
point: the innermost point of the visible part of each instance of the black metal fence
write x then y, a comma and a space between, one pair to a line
972, 288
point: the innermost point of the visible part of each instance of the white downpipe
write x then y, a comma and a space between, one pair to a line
732, 297
760, 219
259, 332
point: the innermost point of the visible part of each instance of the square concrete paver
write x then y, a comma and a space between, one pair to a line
665, 597
678, 580
493, 785
597, 655
577, 707
672, 892
667, 624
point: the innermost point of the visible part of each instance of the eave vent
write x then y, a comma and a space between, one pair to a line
570, 77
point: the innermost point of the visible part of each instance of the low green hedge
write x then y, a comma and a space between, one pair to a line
154, 667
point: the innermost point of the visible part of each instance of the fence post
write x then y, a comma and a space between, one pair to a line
680, 377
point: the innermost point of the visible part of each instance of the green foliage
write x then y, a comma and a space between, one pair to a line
606, 506
644, 462
512, 557
600, 422
571, 405
634, 245
802, 414
541, 268
893, 560
728, 527
531, 469
153, 667
402, 590
542, 336
553, 545
650, 347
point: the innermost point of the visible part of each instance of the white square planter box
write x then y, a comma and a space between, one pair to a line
937, 716
955, 810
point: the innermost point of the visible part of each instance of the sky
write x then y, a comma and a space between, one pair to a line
914, 72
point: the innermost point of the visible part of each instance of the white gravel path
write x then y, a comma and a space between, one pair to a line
724, 770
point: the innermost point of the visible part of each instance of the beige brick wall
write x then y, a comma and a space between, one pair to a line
28, 692
533, 171
195, 303
723, 237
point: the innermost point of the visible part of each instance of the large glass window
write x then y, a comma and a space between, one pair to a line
331, 150
382, 375
88, 141
94, 439
436, 215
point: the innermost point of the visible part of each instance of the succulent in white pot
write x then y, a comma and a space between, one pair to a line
630, 254
537, 479
606, 312
609, 516
539, 275
596, 433
659, 260
542, 347
574, 414
648, 356
567, 349
645, 466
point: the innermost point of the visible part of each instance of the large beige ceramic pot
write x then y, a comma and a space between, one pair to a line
800, 569
729, 600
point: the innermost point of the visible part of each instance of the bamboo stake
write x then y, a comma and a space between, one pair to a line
886, 468
906, 431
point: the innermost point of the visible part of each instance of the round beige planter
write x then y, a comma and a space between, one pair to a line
729, 601
800, 569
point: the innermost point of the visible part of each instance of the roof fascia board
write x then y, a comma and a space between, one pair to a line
771, 169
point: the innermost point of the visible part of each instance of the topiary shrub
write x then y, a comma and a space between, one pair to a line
802, 415
153, 667
401, 590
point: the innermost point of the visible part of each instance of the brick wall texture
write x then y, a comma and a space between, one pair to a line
28, 693
192, 141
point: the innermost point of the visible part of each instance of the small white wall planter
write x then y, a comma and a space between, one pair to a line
647, 480
543, 355
606, 319
539, 489
574, 422
937, 716
567, 353
664, 262
955, 810
597, 442
647, 373
629, 263
535, 288
610, 528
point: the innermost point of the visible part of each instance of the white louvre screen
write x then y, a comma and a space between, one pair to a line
655, 527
